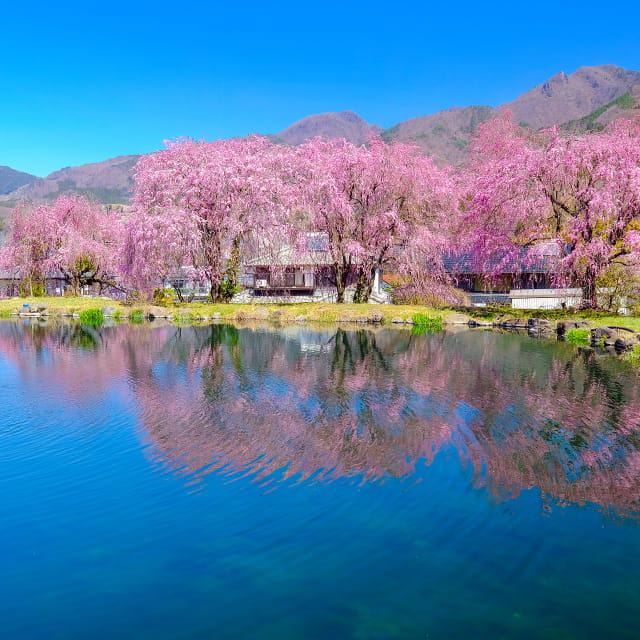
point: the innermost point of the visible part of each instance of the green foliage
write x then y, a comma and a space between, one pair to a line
423, 323
460, 144
578, 336
136, 316
479, 114
92, 317
164, 295
389, 134
438, 130
588, 122
228, 288
625, 101
184, 317
32, 289
633, 355
83, 264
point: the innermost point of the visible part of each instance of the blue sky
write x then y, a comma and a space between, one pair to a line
85, 81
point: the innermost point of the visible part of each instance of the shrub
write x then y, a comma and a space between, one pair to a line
423, 323
164, 296
633, 355
184, 317
93, 317
136, 316
578, 336
33, 289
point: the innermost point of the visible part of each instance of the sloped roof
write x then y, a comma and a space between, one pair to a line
539, 259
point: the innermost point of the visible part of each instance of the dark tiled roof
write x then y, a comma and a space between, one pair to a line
524, 261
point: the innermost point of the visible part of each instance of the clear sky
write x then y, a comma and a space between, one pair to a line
85, 81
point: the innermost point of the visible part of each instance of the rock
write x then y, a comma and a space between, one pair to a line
259, 313
566, 325
456, 318
622, 344
477, 322
42, 308
509, 322
612, 336
375, 316
397, 321
539, 322
216, 316
107, 311
301, 319
157, 312
540, 326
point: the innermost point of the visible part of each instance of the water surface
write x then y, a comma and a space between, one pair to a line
223, 482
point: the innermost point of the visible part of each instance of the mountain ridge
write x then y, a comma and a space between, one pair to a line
585, 100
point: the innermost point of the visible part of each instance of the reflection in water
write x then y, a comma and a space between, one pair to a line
309, 405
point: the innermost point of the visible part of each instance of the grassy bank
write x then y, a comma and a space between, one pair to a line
312, 312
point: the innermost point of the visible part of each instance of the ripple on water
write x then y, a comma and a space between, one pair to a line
425, 484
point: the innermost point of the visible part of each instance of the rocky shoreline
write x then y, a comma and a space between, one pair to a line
619, 337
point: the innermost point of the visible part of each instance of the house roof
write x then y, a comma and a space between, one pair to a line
539, 259
311, 250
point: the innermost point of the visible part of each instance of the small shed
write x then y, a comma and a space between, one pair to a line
545, 298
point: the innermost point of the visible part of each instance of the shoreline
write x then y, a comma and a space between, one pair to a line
321, 312
582, 328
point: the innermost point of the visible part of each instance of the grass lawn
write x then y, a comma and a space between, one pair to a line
315, 312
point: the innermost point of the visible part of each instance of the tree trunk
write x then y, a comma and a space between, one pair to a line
75, 285
339, 291
215, 293
364, 287
361, 286
589, 290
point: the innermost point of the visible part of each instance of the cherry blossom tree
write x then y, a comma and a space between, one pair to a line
370, 200
73, 238
583, 193
196, 201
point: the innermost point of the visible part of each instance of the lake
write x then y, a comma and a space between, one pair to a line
264, 482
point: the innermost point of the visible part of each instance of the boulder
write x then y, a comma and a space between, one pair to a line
540, 326
108, 311
479, 322
619, 337
566, 325
157, 312
456, 318
509, 322
259, 313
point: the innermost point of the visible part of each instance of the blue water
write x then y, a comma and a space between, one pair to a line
215, 482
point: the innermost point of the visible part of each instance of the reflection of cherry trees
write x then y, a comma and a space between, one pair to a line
320, 405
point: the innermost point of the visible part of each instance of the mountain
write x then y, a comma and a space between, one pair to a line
569, 97
345, 124
585, 100
10, 179
625, 106
109, 182
445, 134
